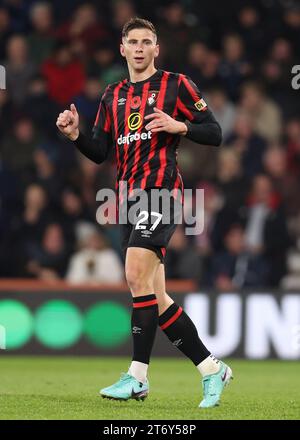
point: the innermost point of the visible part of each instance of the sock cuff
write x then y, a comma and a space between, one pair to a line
144, 301
169, 316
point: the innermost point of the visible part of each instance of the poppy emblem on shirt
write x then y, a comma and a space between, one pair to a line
135, 102
152, 97
200, 105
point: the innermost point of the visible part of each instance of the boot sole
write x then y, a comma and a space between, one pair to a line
141, 397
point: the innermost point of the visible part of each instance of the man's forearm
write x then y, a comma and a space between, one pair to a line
206, 133
94, 149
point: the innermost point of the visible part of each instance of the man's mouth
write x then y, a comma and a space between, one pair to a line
139, 59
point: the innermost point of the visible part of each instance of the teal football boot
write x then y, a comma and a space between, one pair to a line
213, 386
128, 387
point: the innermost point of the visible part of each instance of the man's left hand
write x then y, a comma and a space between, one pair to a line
163, 122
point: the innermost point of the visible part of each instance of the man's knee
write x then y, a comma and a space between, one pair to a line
140, 269
137, 278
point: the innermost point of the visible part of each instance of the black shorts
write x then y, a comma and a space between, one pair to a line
152, 226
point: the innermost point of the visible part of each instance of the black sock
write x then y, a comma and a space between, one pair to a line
181, 331
144, 323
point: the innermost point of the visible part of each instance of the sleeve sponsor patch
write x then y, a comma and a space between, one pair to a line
200, 105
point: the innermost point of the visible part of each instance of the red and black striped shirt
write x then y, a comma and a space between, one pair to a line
146, 159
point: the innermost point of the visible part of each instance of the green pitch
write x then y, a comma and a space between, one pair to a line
67, 388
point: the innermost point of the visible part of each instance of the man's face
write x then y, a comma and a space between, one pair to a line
139, 48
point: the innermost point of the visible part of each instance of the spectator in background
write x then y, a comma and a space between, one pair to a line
182, 260
6, 113
247, 143
213, 203
29, 226
83, 31
291, 30
175, 32
19, 69
265, 227
90, 178
292, 134
236, 267
196, 163
9, 202
73, 211
230, 178
107, 217
234, 68
48, 260
265, 114
274, 81
47, 175
94, 262
64, 74
121, 12
26, 228
18, 11
41, 40
18, 147
281, 52
285, 183
5, 31
251, 30
276, 75
39, 107
223, 109
204, 242
291, 281
210, 71
88, 102
104, 64
196, 59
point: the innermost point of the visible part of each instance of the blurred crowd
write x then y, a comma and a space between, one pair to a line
241, 58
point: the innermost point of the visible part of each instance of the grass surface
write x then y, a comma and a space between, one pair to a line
67, 388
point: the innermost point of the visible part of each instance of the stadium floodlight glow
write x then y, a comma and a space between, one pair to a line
107, 324
58, 324
17, 321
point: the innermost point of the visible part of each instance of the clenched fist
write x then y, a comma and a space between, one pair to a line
68, 123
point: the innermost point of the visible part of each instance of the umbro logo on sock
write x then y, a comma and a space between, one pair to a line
136, 330
177, 342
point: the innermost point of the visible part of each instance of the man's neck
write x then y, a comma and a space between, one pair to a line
136, 76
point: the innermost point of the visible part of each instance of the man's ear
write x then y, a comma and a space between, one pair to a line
122, 51
156, 53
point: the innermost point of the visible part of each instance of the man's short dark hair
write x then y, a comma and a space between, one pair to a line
137, 23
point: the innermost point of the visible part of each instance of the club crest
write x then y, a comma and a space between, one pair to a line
152, 97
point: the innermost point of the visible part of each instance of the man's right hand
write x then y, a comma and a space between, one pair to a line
68, 123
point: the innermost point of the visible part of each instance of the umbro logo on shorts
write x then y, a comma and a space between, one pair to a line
136, 330
177, 342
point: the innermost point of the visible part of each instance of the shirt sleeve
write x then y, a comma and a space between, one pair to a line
99, 146
103, 120
201, 123
190, 103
